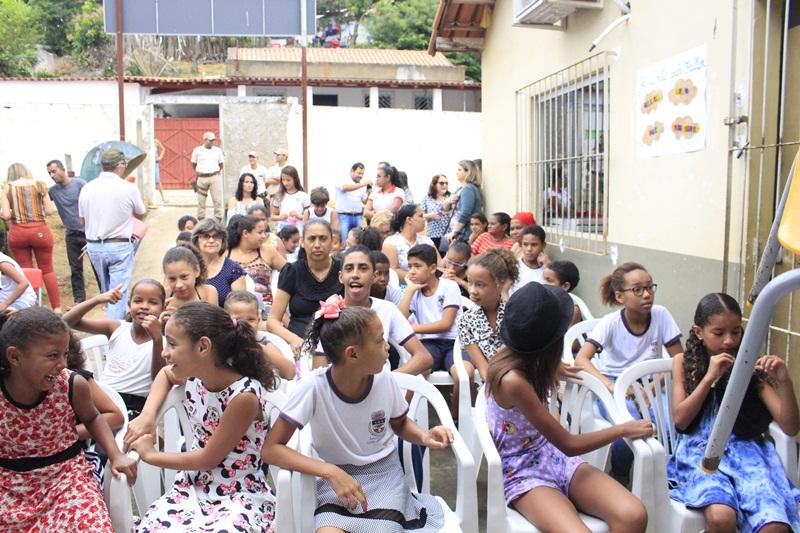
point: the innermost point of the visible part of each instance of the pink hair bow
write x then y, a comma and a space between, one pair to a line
331, 307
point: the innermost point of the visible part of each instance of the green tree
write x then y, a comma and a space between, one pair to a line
18, 37
56, 17
86, 35
345, 12
405, 25
471, 61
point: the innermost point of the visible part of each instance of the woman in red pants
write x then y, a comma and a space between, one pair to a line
25, 204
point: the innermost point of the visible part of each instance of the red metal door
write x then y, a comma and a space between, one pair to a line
180, 136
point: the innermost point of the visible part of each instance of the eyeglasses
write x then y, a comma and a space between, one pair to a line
455, 264
638, 291
442, 183
210, 237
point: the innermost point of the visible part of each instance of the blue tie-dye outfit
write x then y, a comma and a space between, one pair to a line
750, 479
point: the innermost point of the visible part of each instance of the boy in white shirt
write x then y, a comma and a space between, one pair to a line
531, 264
436, 304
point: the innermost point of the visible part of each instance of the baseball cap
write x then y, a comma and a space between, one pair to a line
281, 151
252, 153
111, 157
209, 136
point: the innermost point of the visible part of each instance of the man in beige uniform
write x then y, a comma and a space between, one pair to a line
207, 161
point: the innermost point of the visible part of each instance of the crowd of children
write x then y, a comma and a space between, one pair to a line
388, 299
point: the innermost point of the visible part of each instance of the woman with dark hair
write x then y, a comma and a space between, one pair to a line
496, 235
303, 284
402, 182
436, 208
386, 195
245, 196
407, 225
291, 201
246, 237
211, 238
466, 200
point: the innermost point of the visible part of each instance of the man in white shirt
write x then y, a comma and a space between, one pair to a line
273, 179
259, 171
207, 161
106, 206
351, 195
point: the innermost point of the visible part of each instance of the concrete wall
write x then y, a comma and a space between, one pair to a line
635, 183
41, 121
673, 205
250, 126
422, 143
343, 71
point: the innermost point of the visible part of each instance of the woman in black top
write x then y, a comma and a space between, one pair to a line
301, 285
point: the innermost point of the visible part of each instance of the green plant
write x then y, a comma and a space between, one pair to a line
19, 33
87, 34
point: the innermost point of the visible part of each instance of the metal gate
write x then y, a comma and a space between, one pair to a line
773, 141
180, 136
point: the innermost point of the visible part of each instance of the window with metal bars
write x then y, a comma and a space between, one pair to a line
562, 162
423, 102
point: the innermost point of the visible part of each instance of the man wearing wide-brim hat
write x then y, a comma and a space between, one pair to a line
207, 161
106, 206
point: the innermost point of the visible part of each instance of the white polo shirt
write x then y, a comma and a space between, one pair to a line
107, 204
350, 201
347, 431
208, 160
618, 347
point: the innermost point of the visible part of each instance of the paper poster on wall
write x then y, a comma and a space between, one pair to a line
671, 105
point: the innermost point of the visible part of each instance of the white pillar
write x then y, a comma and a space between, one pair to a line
437, 99
241, 90
373, 97
310, 95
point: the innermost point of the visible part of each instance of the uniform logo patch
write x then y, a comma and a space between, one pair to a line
377, 423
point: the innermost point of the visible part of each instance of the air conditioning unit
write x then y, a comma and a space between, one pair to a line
549, 13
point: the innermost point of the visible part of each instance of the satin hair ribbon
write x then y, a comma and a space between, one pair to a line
330, 308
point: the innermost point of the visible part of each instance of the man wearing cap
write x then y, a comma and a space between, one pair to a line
106, 206
259, 171
207, 161
273, 179
65, 194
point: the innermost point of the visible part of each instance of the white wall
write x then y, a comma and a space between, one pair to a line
653, 203
43, 120
422, 143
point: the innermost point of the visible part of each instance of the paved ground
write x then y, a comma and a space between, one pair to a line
161, 235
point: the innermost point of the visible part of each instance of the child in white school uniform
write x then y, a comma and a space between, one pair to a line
638, 332
355, 408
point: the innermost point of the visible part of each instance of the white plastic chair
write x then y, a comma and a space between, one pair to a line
579, 332
577, 401
586, 314
467, 304
152, 481
651, 383
465, 516
95, 348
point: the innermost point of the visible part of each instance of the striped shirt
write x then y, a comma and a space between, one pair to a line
486, 241
27, 202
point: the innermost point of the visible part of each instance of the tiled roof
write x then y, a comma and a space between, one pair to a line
224, 81
362, 56
457, 20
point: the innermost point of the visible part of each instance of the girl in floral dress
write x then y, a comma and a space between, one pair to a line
221, 486
46, 484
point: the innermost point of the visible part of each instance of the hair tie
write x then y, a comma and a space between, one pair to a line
330, 308
234, 322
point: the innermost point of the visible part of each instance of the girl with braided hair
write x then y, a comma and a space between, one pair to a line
750, 490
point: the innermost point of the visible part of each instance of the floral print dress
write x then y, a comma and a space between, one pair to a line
62, 496
234, 496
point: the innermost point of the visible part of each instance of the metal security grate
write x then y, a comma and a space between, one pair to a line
562, 162
423, 102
